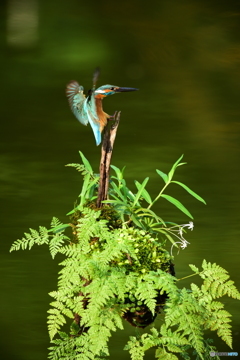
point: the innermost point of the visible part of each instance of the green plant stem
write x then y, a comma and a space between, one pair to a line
158, 196
185, 277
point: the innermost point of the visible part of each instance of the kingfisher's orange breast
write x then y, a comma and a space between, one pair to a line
102, 116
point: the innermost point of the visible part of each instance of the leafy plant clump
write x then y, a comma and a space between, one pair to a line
117, 268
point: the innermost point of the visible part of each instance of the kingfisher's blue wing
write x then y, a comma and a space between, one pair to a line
76, 100
89, 108
84, 108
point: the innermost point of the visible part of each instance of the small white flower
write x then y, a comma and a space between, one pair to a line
184, 244
190, 226
181, 231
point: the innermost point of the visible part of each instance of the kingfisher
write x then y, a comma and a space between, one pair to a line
89, 109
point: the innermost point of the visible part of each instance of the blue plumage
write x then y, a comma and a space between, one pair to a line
83, 108
89, 109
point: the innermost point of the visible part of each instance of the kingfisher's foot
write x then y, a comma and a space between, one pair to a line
113, 117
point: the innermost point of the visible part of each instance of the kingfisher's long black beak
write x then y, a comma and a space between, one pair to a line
124, 89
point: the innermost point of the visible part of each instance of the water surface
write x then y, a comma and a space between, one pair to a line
184, 57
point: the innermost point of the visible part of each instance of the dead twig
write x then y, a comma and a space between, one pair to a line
106, 155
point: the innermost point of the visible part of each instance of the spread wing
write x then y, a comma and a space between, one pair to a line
89, 107
84, 108
77, 101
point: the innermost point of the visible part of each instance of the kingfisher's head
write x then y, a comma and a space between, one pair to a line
107, 90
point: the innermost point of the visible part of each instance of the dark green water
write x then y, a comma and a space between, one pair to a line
185, 59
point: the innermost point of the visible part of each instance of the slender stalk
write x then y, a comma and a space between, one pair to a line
158, 196
185, 277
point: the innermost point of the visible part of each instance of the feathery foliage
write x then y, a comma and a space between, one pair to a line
116, 267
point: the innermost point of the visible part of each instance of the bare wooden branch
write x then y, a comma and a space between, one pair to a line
106, 155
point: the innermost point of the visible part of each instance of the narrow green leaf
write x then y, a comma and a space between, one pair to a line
177, 204
141, 188
160, 229
130, 195
92, 182
190, 191
79, 207
136, 221
72, 212
117, 191
86, 162
145, 193
127, 193
149, 213
92, 187
171, 223
163, 176
114, 197
175, 165
59, 228
84, 187
118, 172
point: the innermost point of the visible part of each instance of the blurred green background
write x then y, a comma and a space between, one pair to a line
184, 56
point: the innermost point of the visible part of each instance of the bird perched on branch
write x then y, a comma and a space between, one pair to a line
89, 109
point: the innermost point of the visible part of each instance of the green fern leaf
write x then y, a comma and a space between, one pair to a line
164, 355
194, 268
56, 243
33, 238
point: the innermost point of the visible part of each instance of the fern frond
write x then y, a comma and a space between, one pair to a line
60, 306
56, 243
134, 348
55, 222
33, 238
162, 354
117, 281
55, 321
194, 268
100, 291
173, 340
216, 281
102, 333
71, 348
218, 320
215, 285
146, 292
163, 281
78, 167
70, 251
89, 227
183, 310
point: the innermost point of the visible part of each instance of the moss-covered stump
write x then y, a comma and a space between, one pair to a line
147, 254
150, 257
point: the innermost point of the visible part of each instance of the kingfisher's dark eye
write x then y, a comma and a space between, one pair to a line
112, 88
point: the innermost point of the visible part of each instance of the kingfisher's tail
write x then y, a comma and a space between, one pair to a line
96, 132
